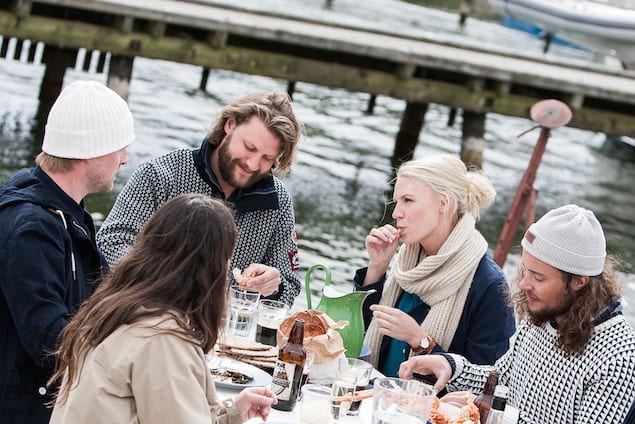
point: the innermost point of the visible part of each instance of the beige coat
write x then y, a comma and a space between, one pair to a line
140, 375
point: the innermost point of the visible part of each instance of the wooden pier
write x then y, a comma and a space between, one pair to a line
420, 71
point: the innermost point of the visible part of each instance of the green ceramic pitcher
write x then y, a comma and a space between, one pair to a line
341, 307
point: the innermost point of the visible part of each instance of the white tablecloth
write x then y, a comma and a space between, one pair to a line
293, 417
364, 417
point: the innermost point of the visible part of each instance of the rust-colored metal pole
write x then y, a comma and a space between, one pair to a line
523, 193
548, 114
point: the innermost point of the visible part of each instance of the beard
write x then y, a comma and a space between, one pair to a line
99, 183
227, 164
550, 314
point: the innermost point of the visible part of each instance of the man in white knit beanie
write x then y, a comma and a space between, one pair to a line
49, 260
572, 358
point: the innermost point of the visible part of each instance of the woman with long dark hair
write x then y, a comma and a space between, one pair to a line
135, 351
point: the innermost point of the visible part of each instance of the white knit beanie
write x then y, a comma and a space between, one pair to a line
86, 121
569, 238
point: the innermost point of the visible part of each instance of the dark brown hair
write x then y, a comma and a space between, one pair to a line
177, 267
575, 327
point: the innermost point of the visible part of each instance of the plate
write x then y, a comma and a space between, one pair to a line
260, 377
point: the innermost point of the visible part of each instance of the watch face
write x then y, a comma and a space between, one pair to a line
425, 343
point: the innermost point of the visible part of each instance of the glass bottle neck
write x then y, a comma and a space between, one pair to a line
297, 332
490, 384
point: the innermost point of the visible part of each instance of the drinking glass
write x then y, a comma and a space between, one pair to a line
308, 363
342, 392
398, 401
315, 404
362, 371
270, 314
242, 313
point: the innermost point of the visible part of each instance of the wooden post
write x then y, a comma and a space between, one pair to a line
18, 49
472, 142
371, 104
87, 59
119, 74
451, 116
465, 9
204, 76
4, 47
291, 88
56, 60
409, 129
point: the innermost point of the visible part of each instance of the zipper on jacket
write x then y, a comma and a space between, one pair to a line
73, 265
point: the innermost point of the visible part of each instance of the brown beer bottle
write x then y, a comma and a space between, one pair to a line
287, 373
484, 400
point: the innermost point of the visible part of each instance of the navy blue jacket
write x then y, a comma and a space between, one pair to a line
48, 265
486, 323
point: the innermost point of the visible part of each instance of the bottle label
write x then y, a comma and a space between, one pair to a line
282, 380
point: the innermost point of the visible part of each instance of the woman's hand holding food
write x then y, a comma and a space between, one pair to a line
397, 324
436, 365
381, 244
255, 402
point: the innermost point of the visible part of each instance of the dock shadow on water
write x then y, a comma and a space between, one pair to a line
340, 183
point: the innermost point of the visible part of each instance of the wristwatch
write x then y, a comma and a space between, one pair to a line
425, 346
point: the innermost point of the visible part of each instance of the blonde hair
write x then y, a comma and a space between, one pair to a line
55, 164
447, 175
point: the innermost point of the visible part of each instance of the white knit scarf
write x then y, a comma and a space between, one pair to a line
442, 281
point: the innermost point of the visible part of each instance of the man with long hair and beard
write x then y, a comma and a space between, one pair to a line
242, 159
572, 358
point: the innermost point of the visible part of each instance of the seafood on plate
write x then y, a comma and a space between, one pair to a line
460, 409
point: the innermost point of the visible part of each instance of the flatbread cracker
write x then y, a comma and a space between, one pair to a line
260, 364
228, 341
272, 352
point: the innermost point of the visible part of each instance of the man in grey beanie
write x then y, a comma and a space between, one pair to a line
572, 358
49, 260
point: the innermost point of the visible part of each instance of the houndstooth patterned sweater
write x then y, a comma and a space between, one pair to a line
550, 388
264, 214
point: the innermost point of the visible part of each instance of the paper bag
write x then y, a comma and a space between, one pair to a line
320, 335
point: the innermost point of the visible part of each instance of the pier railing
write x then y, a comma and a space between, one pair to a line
419, 71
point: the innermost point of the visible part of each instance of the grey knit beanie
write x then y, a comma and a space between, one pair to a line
569, 238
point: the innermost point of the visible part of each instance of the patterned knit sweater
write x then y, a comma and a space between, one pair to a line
550, 388
264, 214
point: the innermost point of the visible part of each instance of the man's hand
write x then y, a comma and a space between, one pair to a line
426, 365
261, 278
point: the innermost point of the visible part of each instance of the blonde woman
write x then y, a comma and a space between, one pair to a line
443, 291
